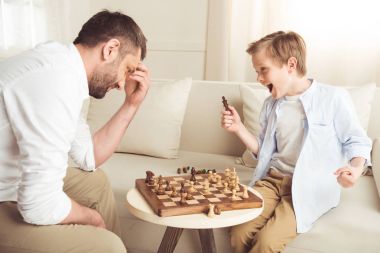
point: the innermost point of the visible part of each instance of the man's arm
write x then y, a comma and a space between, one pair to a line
84, 216
109, 136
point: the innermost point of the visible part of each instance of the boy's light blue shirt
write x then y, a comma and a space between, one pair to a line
332, 137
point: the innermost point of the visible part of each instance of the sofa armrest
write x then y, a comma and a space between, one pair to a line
375, 156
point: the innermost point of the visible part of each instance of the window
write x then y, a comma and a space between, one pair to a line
25, 23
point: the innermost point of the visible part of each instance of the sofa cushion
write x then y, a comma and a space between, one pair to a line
253, 99
350, 227
156, 128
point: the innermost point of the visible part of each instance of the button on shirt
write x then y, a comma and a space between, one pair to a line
41, 95
332, 137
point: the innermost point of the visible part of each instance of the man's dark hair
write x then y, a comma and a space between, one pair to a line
106, 25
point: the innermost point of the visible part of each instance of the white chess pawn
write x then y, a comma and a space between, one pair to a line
211, 212
206, 187
237, 188
225, 190
245, 192
191, 188
227, 172
209, 176
233, 173
219, 181
234, 197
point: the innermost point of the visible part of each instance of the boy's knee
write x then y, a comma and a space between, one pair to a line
265, 243
240, 239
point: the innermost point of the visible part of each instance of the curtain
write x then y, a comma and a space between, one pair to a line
25, 23
342, 37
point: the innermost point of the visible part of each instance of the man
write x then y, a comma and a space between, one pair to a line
41, 96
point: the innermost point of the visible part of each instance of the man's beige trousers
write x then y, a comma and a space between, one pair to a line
276, 226
90, 189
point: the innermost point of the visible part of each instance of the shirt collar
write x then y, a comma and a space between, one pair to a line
80, 70
306, 97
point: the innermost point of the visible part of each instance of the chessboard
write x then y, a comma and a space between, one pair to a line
203, 190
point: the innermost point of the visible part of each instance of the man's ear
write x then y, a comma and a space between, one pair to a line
292, 64
111, 50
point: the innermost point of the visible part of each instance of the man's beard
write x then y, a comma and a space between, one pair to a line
102, 80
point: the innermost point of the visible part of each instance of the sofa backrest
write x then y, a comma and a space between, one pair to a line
201, 130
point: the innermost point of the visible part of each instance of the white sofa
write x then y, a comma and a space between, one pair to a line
354, 226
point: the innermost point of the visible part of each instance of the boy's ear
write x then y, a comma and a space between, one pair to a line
111, 50
292, 64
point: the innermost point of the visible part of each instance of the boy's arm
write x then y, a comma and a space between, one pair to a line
231, 122
356, 144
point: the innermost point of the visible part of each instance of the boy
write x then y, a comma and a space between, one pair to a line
310, 142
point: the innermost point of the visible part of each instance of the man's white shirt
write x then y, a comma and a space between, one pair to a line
41, 96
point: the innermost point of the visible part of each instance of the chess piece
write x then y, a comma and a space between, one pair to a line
227, 172
184, 169
191, 188
179, 171
174, 192
149, 177
214, 178
234, 197
189, 196
237, 187
155, 187
160, 180
217, 210
183, 197
193, 172
219, 180
168, 188
245, 192
225, 104
233, 173
225, 190
206, 187
160, 190
182, 187
211, 212
209, 177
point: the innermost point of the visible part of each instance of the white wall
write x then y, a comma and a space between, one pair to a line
175, 29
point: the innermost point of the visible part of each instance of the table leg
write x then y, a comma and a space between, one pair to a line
170, 239
207, 240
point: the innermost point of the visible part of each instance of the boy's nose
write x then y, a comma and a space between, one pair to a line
260, 79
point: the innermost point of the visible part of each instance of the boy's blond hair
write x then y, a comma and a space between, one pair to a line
280, 46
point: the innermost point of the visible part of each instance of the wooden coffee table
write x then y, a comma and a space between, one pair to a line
137, 205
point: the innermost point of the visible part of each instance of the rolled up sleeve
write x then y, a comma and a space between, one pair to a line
82, 148
351, 134
43, 114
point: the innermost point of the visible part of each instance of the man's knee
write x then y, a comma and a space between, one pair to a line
107, 242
